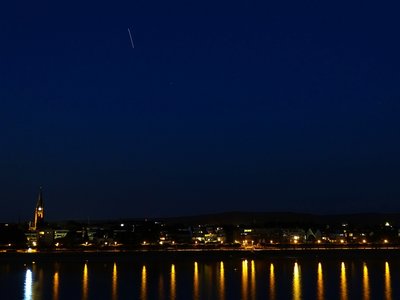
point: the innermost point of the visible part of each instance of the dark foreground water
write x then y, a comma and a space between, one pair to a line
230, 278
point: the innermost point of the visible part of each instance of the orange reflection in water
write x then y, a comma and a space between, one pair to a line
196, 282
143, 285
161, 286
85, 283
296, 282
56, 282
320, 283
253, 280
366, 290
245, 276
173, 282
343, 282
221, 281
114, 288
271, 282
388, 282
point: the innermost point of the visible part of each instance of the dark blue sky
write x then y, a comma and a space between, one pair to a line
220, 106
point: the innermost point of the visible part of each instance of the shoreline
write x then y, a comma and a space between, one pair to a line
200, 254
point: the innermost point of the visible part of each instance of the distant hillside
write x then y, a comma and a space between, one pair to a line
269, 219
279, 218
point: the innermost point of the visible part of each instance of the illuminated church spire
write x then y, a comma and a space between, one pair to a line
39, 211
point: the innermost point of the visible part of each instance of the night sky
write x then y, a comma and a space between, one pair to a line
220, 106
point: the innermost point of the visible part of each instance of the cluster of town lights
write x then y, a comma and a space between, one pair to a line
296, 240
245, 243
248, 239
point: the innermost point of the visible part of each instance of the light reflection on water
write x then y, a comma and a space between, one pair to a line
271, 282
173, 282
343, 282
388, 284
245, 277
143, 287
114, 290
196, 281
366, 292
56, 282
246, 289
296, 282
320, 283
85, 283
33, 282
28, 285
161, 286
253, 280
219, 280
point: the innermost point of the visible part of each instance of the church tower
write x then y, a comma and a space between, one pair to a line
39, 212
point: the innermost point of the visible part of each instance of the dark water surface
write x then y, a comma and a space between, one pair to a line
230, 278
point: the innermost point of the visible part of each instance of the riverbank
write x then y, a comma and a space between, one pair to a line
200, 254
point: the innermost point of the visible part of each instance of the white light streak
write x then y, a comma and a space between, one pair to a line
130, 37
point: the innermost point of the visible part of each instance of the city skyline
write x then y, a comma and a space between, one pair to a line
199, 108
